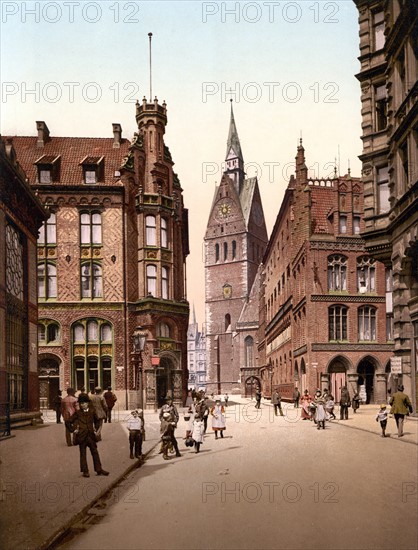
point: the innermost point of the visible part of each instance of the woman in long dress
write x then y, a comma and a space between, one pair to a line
305, 401
218, 419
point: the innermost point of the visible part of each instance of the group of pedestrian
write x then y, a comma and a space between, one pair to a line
196, 418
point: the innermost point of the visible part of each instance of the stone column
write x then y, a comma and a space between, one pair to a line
380, 393
352, 379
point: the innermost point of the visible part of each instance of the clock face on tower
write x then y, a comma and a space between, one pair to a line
224, 209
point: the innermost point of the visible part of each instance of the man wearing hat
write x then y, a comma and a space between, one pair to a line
100, 406
84, 423
401, 406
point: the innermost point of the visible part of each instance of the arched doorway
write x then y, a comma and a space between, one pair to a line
49, 380
165, 380
337, 370
366, 370
251, 385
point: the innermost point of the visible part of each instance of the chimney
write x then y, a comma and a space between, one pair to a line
43, 133
117, 135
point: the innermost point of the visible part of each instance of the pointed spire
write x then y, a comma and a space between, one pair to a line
233, 139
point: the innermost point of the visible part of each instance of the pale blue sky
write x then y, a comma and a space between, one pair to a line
307, 49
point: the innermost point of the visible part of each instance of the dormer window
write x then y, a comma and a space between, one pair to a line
48, 167
93, 170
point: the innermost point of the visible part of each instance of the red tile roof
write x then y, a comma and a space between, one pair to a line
72, 151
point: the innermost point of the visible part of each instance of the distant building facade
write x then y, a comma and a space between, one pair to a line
389, 90
323, 321
196, 356
21, 216
111, 257
235, 241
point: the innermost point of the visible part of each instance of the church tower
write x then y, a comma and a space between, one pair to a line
235, 241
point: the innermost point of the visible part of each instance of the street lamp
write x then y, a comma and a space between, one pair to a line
139, 337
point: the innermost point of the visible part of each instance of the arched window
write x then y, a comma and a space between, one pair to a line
91, 280
92, 363
225, 251
227, 321
48, 332
337, 272
90, 228
163, 330
151, 230
164, 233
92, 331
216, 252
47, 280
164, 283
151, 279
337, 322
366, 274
234, 249
106, 333
366, 323
79, 333
249, 351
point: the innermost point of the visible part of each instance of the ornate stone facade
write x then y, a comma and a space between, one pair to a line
389, 85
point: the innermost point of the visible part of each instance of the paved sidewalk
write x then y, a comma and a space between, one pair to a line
42, 490
41, 487
364, 419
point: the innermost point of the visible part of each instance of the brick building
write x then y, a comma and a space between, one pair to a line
389, 107
235, 241
21, 216
323, 298
111, 257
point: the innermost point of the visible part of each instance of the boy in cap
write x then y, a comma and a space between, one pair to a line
134, 425
84, 423
382, 417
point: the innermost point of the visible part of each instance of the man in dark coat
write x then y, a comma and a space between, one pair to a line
345, 402
258, 398
110, 399
84, 424
401, 406
57, 406
277, 402
296, 397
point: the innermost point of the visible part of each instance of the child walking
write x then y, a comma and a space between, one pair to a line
382, 417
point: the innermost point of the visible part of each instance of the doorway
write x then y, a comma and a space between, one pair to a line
366, 370
338, 378
251, 385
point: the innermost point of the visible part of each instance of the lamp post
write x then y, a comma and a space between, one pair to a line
271, 380
139, 339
